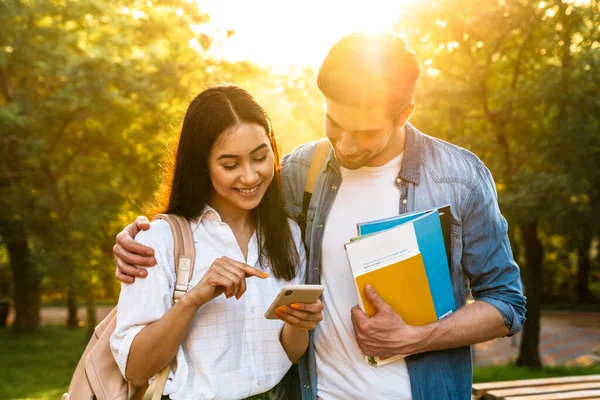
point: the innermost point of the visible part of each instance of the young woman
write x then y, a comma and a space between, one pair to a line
225, 182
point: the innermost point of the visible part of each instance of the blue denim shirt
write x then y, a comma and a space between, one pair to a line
433, 173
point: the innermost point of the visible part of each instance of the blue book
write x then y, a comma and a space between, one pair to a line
370, 227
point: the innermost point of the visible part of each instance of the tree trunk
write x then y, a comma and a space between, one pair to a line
582, 289
27, 294
91, 311
71, 306
529, 355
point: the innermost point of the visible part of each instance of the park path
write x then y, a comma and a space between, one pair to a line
565, 336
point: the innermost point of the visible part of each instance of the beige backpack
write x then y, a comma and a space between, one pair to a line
97, 375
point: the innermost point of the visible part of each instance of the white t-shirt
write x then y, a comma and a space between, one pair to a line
231, 351
365, 194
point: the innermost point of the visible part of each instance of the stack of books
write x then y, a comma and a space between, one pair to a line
406, 259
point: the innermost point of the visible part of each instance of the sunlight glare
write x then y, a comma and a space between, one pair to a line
272, 32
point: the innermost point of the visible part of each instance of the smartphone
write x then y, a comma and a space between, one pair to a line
290, 294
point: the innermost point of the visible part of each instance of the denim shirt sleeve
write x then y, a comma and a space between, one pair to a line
487, 257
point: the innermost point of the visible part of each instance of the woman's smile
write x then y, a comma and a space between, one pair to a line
251, 192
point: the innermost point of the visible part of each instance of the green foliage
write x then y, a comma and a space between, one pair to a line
515, 82
89, 94
92, 95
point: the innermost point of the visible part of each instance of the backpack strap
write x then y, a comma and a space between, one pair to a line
184, 252
312, 176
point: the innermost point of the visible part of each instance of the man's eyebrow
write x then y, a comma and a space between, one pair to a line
360, 130
262, 146
332, 120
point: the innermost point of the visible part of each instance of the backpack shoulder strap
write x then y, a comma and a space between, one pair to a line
312, 176
184, 252
316, 165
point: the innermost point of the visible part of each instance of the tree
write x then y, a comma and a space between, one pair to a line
499, 79
88, 92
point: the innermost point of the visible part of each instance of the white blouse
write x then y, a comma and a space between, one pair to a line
231, 350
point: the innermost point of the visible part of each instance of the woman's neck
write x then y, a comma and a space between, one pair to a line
241, 222
238, 219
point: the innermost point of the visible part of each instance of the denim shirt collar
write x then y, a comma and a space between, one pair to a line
332, 162
411, 163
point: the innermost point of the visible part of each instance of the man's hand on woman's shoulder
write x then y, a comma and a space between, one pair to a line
130, 255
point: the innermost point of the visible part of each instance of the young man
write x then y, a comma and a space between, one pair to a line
379, 166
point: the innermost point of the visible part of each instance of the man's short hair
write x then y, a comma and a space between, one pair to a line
370, 69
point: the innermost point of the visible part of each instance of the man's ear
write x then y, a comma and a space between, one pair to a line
403, 116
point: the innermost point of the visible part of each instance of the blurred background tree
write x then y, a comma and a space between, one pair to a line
91, 97
515, 81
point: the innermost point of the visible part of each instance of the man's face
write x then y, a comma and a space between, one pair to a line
359, 136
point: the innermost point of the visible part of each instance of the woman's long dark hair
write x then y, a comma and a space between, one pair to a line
211, 113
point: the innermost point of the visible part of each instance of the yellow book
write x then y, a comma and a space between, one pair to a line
404, 286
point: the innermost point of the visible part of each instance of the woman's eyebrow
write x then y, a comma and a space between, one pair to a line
262, 146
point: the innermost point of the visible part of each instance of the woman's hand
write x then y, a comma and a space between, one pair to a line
224, 276
301, 316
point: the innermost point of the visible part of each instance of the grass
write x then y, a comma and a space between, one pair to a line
511, 372
38, 366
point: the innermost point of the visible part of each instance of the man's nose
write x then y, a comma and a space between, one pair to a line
346, 145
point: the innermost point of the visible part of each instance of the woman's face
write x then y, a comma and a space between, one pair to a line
241, 167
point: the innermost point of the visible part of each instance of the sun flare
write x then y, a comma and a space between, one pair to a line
275, 32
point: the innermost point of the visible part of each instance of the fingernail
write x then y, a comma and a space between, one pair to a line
264, 274
278, 314
143, 274
130, 280
295, 306
149, 253
280, 309
152, 261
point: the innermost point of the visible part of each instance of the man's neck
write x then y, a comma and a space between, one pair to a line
394, 148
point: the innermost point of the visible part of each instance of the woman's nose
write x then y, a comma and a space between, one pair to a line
249, 175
